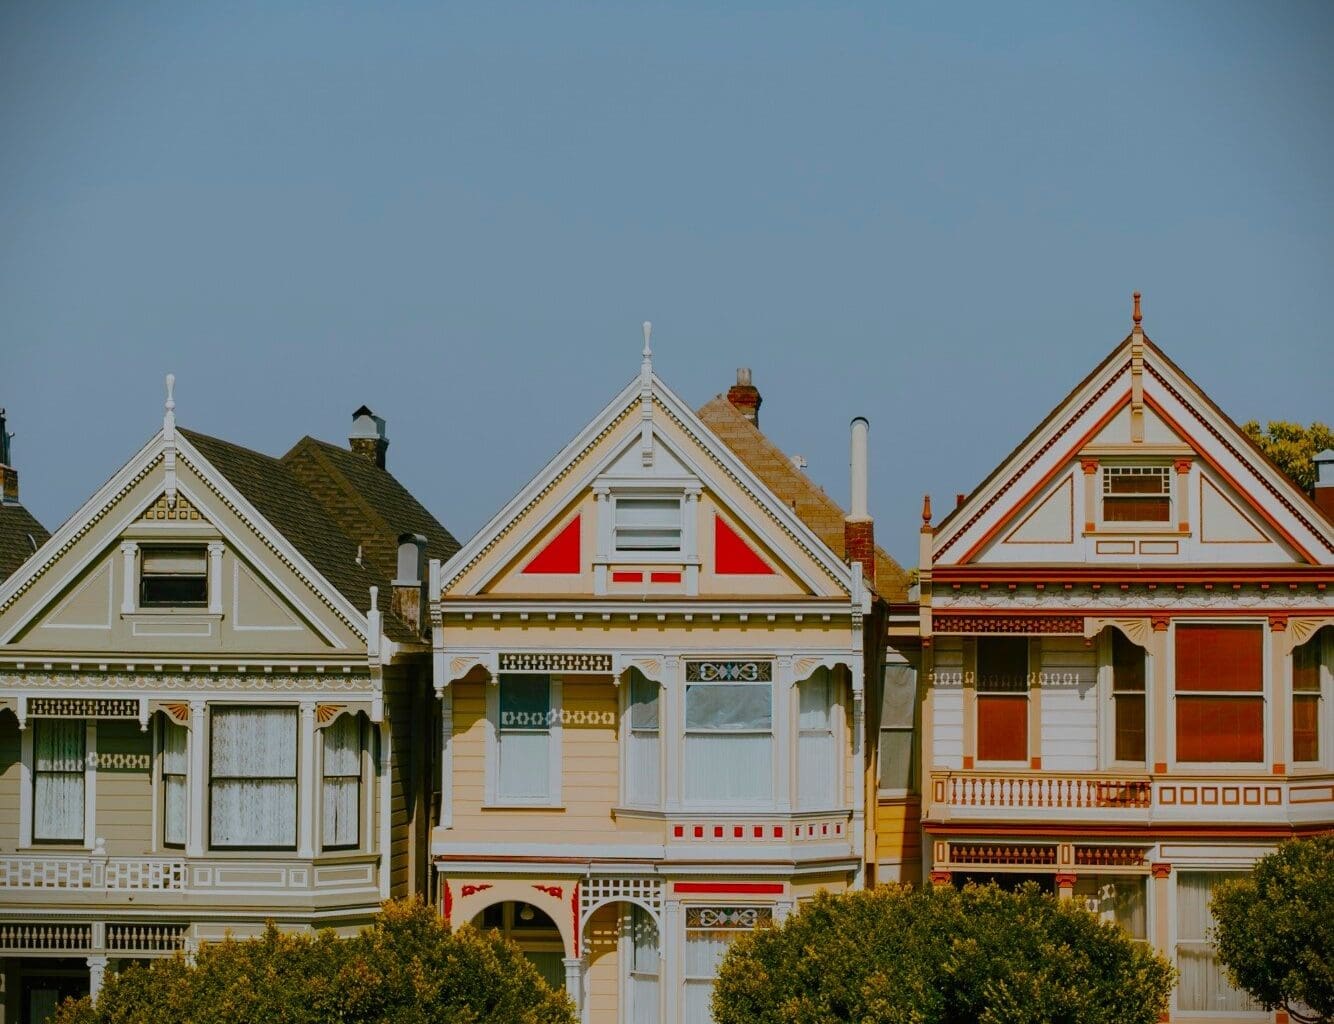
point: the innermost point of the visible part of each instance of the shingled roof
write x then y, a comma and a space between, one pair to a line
20, 535
795, 489
306, 505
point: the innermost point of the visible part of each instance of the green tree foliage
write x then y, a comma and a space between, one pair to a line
1292, 447
978, 955
407, 968
1275, 929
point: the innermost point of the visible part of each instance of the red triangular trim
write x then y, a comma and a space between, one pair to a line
733, 556
561, 555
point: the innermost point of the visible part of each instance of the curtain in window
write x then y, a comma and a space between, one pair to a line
729, 743
524, 737
642, 979
643, 762
1203, 984
58, 777
704, 952
175, 758
253, 784
342, 782
1117, 898
896, 724
817, 759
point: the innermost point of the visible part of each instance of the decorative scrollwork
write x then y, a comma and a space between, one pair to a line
727, 919
555, 661
729, 671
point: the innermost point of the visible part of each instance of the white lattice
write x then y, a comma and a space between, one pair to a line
596, 892
157, 875
40, 937
45, 873
113, 874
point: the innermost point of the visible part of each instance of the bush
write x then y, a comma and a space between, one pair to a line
1275, 929
978, 955
407, 968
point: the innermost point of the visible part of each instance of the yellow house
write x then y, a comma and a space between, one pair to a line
652, 679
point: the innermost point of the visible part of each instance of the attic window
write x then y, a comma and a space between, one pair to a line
173, 577
648, 525
1136, 494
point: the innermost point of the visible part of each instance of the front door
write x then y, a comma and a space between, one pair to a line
42, 990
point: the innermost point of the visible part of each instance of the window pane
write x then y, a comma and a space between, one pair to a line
1219, 657
342, 806
659, 512
813, 698
1127, 663
728, 707
895, 758
180, 561
1116, 898
173, 809
1220, 729
342, 746
1306, 665
253, 812
729, 769
900, 696
58, 745
817, 771
643, 702
175, 745
643, 763
1203, 985
1002, 664
525, 765
525, 702
1002, 727
1130, 727
1136, 480
253, 742
1306, 727
1136, 510
58, 806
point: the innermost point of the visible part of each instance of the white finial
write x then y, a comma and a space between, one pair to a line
375, 599
171, 384
169, 441
648, 335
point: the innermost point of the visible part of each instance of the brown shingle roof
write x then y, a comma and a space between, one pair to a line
20, 536
795, 489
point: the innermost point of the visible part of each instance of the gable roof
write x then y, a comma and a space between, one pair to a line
20, 536
795, 489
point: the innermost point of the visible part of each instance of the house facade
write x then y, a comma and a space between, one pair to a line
1126, 646
653, 681
214, 708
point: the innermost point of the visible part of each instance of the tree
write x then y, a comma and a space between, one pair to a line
406, 968
979, 955
1292, 447
1275, 929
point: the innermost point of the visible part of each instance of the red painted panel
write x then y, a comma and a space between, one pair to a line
732, 555
731, 888
1219, 657
627, 577
561, 555
1002, 727
1220, 729
664, 577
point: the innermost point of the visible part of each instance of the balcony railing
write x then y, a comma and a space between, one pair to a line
1057, 792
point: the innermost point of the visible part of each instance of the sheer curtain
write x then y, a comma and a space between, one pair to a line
817, 761
642, 979
729, 743
58, 763
253, 784
643, 763
524, 738
342, 782
1203, 985
704, 952
175, 758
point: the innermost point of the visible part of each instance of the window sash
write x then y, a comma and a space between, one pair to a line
643, 747
729, 769
647, 524
59, 783
729, 708
1219, 658
523, 738
1002, 664
171, 577
175, 794
1220, 728
252, 777
341, 801
1002, 727
1203, 985
896, 759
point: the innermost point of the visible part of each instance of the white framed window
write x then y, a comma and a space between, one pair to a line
709, 931
1310, 674
252, 778
59, 766
897, 706
1203, 986
643, 962
1120, 899
524, 753
1137, 494
647, 526
643, 749
818, 773
175, 798
729, 743
341, 805
1220, 692
173, 577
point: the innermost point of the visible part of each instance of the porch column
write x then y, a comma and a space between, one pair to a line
305, 846
1281, 689
785, 760
671, 945
1162, 872
1035, 702
1065, 885
574, 982
196, 745
215, 550
1159, 724
97, 970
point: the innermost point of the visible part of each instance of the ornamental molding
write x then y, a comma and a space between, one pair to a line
1138, 631
1029, 625
729, 671
804, 666
556, 661
1166, 598
201, 682
1300, 630
727, 919
82, 707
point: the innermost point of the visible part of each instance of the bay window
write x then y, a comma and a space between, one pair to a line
1002, 698
59, 760
896, 727
1219, 693
1203, 985
341, 810
527, 713
252, 781
1128, 692
729, 742
643, 753
817, 759
1306, 671
175, 758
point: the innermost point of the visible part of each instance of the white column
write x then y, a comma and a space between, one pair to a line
25, 786
90, 784
604, 524
574, 982
447, 757
129, 556
306, 782
690, 541
671, 941
196, 745
97, 969
215, 578
785, 735
671, 729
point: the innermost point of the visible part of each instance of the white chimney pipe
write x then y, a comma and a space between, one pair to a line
860, 428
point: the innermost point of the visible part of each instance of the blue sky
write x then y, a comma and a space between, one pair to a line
929, 214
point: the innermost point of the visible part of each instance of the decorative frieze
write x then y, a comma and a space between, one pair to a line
556, 661
1111, 856
76, 707
1028, 625
1166, 597
729, 671
727, 919
199, 681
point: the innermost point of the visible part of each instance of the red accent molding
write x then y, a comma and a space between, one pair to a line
732, 555
1278, 623
1160, 767
446, 902
1160, 869
941, 877
1160, 623
1065, 880
664, 577
627, 577
574, 916
473, 890
968, 762
1182, 466
1280, 768
1089, 466
561, 554
1035, 762
551, 890
730, 888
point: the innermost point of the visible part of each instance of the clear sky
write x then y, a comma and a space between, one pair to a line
930, 214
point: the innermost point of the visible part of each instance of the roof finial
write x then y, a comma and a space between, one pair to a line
171, 402
1137, 316
648, 336
926, 510
169, 441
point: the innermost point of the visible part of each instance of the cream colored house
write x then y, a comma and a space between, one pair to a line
653, 682
214, 708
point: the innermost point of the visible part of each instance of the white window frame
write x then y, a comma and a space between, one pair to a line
302, 799
147, 549
912, 731
1266, 693
782, 741
834, 736
627, 790
1110, 469
1324, 704
28, 790
360, 776
554, 745
669, 555
1107, 708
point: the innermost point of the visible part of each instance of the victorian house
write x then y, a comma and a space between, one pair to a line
1126, 643
215, 707
653, 677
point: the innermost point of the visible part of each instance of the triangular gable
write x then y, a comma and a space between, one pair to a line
733, 555
561, 554
614, 446
1175, 419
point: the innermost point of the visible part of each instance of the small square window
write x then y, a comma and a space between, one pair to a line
1136, 494
173, 577
648, 525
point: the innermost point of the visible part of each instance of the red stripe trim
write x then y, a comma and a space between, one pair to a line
730, 888
946, 830
1113, 574
627, 577
1195, 613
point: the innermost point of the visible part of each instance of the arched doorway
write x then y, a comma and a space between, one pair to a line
533, 931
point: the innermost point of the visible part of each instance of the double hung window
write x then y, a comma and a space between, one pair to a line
896, 727
648, 526
523, 739
709, 931
341, 810
175, 757
1002, 698
59, 760
252, 784
1136, 494
643, 754
1306, 670
1128, 698
1220, 707
729, 743
173, 577
642, 981
817, 759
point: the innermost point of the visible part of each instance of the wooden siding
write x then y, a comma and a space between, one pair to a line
124, 811
1069, 677
947, 705
10, 774
603, 980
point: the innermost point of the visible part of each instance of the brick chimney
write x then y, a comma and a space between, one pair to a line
9, 476
859, 527
745, 396
1324, 482
409, 585
368, 437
